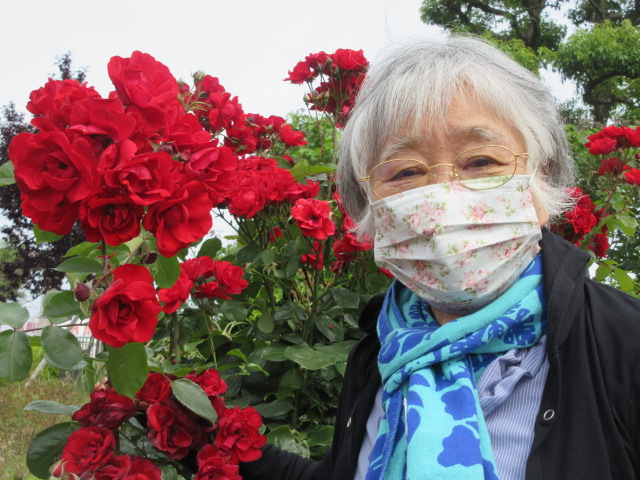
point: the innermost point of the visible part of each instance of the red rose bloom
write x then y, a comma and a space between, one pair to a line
87, 449
180, 220
53, 103
176, 295
210, 381
238, 434
54, 176
147, 84
215, 168
147, 178
228, 281
128, 310
102, 116
314, 259
156, 389
290, 137
312, 216
613, 166
110, 217
632, 176
125, 467
600, 144
300, 74
582, 218
107, 409
174, 430
298, 190
214, 464
186, 133
351, 60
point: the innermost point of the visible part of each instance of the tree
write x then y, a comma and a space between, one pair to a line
30, 264
601, 56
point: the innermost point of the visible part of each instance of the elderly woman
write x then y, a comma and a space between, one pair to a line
491, 355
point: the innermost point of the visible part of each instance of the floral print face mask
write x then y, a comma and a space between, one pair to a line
459, 249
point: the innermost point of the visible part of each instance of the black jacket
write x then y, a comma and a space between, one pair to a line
588, 423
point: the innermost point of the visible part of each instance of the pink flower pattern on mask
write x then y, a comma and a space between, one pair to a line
457, 248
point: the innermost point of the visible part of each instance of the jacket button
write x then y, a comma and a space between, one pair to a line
349, 422
548, 415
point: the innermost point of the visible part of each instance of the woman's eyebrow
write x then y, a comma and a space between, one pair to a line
477, 133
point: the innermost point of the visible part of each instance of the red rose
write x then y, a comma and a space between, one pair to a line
228, 281
314, 259
128, 310
245, 201
186, 132
210, 381
601, 241
102, 116
290, 137
110, 217
156, 389
214, 464
174, 430
180, 220
176, 295
600, 144
107, 409
581, 218
301, 73
632, 176
613, 166
125, 467
87, 449
351, 60
312, 216
147, 178
298, 190
54, 176
320, 62
238, 434
215, 168
53, 103
219, 108
147, 84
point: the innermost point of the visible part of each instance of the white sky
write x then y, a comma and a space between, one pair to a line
248, 44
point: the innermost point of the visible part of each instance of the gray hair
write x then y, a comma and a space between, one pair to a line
411, 86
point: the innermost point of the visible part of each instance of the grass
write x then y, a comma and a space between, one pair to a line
18, 427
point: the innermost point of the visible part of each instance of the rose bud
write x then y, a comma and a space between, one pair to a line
149, 257
82, 292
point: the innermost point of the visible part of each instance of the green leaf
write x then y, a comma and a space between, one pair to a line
61, 305
265, 323
274, 409
43, 236
345, 298
285, 438
169, 472
127, 368
47, 446
292, 267
320, 435
192, 396
15, 355
13, 314
628, 225
82, 249
602, 272
235, 310
61, 347
248, 253
167, 270
268, 256
273, 353
624, 279
307, 357
80, 265
237, 353
48, 406
6, 174
210, 248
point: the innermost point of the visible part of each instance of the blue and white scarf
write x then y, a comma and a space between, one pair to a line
433, 426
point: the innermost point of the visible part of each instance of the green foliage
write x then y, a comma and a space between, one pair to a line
601, 56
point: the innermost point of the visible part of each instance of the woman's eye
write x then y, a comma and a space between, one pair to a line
477, 163
407, 173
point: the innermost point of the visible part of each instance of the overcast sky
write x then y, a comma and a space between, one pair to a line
248, 44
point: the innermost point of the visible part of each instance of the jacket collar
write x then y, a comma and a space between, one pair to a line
564, 268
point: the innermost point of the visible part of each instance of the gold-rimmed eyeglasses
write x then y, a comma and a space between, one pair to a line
478, 168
